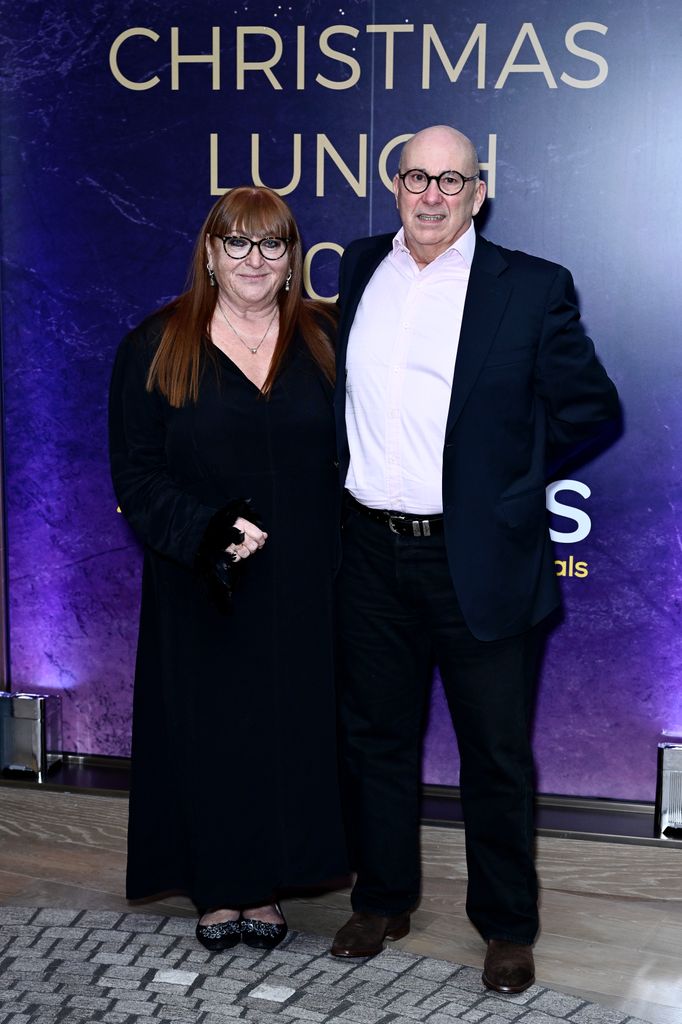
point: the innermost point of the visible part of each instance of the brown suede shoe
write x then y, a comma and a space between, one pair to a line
364, 934
508, 967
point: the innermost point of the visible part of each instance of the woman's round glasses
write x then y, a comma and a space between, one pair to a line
237, 247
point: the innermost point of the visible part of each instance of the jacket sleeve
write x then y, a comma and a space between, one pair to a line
580, 399
163, 515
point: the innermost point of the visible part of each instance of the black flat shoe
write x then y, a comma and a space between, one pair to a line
224, 935
262, 934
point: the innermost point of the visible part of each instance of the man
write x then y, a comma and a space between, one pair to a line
461, 365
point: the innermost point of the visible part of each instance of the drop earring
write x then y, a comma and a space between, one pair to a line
211, 275
287, 283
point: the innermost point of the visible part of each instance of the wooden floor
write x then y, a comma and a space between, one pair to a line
611, 913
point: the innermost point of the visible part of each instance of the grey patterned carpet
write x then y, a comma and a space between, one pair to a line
85, 966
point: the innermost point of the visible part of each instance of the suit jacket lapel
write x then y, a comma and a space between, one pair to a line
486, 299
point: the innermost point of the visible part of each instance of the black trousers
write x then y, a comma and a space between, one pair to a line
398, 615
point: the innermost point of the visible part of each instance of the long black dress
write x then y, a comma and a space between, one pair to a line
234, 791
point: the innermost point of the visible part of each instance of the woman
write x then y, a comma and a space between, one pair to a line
222, 455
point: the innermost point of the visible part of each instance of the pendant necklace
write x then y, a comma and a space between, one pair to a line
245, 343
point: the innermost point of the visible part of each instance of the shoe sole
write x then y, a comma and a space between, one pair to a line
507, 990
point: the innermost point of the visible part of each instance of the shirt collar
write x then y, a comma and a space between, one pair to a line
464, 245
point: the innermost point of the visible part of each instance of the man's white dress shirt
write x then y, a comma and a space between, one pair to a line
400, 364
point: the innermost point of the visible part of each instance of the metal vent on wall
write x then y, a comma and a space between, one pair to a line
668, 815
30, 734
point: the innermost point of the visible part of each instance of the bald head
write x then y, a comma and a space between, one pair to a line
433, 220
443, 138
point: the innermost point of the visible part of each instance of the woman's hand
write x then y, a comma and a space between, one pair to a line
254, 538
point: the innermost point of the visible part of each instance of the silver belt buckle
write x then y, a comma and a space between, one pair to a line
390, 524
419, 528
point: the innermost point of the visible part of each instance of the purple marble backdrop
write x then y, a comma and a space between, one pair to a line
104, 188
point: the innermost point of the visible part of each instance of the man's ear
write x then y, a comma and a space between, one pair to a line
480, 194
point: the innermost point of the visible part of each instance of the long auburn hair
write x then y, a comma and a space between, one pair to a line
176, 367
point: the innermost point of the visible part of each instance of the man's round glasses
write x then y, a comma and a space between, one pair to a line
237, 247
450, 183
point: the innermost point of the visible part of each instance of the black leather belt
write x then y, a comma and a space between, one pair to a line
407, 524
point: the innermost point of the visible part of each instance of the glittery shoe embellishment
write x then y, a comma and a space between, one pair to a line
262, 934
223, 935
220, 930
262, 928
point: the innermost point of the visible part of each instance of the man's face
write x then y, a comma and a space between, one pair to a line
433, 221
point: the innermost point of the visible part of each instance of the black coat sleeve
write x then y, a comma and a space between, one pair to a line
580, 399
164, 516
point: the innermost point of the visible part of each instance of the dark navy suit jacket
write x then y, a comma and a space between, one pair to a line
527, 386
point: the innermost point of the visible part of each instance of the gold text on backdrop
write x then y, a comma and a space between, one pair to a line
325, 148
308, 57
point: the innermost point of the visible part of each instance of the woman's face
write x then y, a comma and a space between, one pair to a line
251, 283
